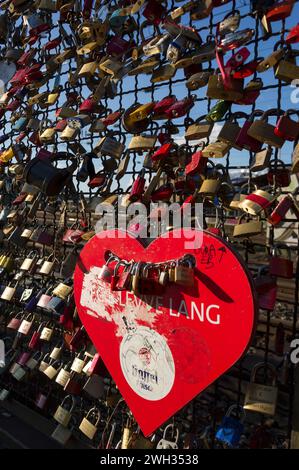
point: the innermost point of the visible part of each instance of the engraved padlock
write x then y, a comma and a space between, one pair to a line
47, 332
86, 426
78, 363
52, 370
64, 411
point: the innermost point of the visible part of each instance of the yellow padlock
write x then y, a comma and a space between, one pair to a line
7, 155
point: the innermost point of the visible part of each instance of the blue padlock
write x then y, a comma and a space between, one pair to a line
231, 428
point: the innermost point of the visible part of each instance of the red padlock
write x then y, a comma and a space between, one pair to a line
197, 165
266, 288
246, 69
238, 59
180, 108
138, 187
293, 35
279, 11
124, 278
88, 106
97, 181
243, 140
287, 128
115, 276
279, 266
162, 153
161, 106
278, 174
154, 12
163, 193
27, 57
111, 118
279, 212
52, 44
87, 8
117, 46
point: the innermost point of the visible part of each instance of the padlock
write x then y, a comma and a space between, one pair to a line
115, 276
33, 361
231, 428
249, 228
142, 142
231, 130
64, 289
63, 375
110, 146
15, 321
42, 400
23, 358
124, 278
217, 89
48, 265
47, 332
26, 324
293, 35
230, 23
278, 174
261, 398
216, 149
166, 443
287, 128
218, 111
64, 411
86, 426
19, 373
280, 266
197, 164
106, 271
44, 363
202, 9
261, 159
279, 11
271, 60
52, 370
184, 273
295, 160
9, 292
180, 108
198, 80
244, 140
257, 202
280, 210
138, 187
236, 39
200, 129
211, 183
262, 131
266, 288
287, 70
78, 363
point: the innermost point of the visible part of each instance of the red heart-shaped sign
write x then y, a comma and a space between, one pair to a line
162, 350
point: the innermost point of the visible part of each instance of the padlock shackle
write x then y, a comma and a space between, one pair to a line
263, 365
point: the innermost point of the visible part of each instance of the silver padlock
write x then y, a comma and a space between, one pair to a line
165, 443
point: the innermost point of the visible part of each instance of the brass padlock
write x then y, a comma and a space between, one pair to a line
48, 135
259, 397
88, 69
270, 61
198, 80
110, 66
70, 132
163, 73
145, 66
262, 131
217, 90
202, 10
200, 129
142, 142
249, 228
86, 426
110, 146
216, 150
87, 48
231, 130
64, 411
261, 159
287, 71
